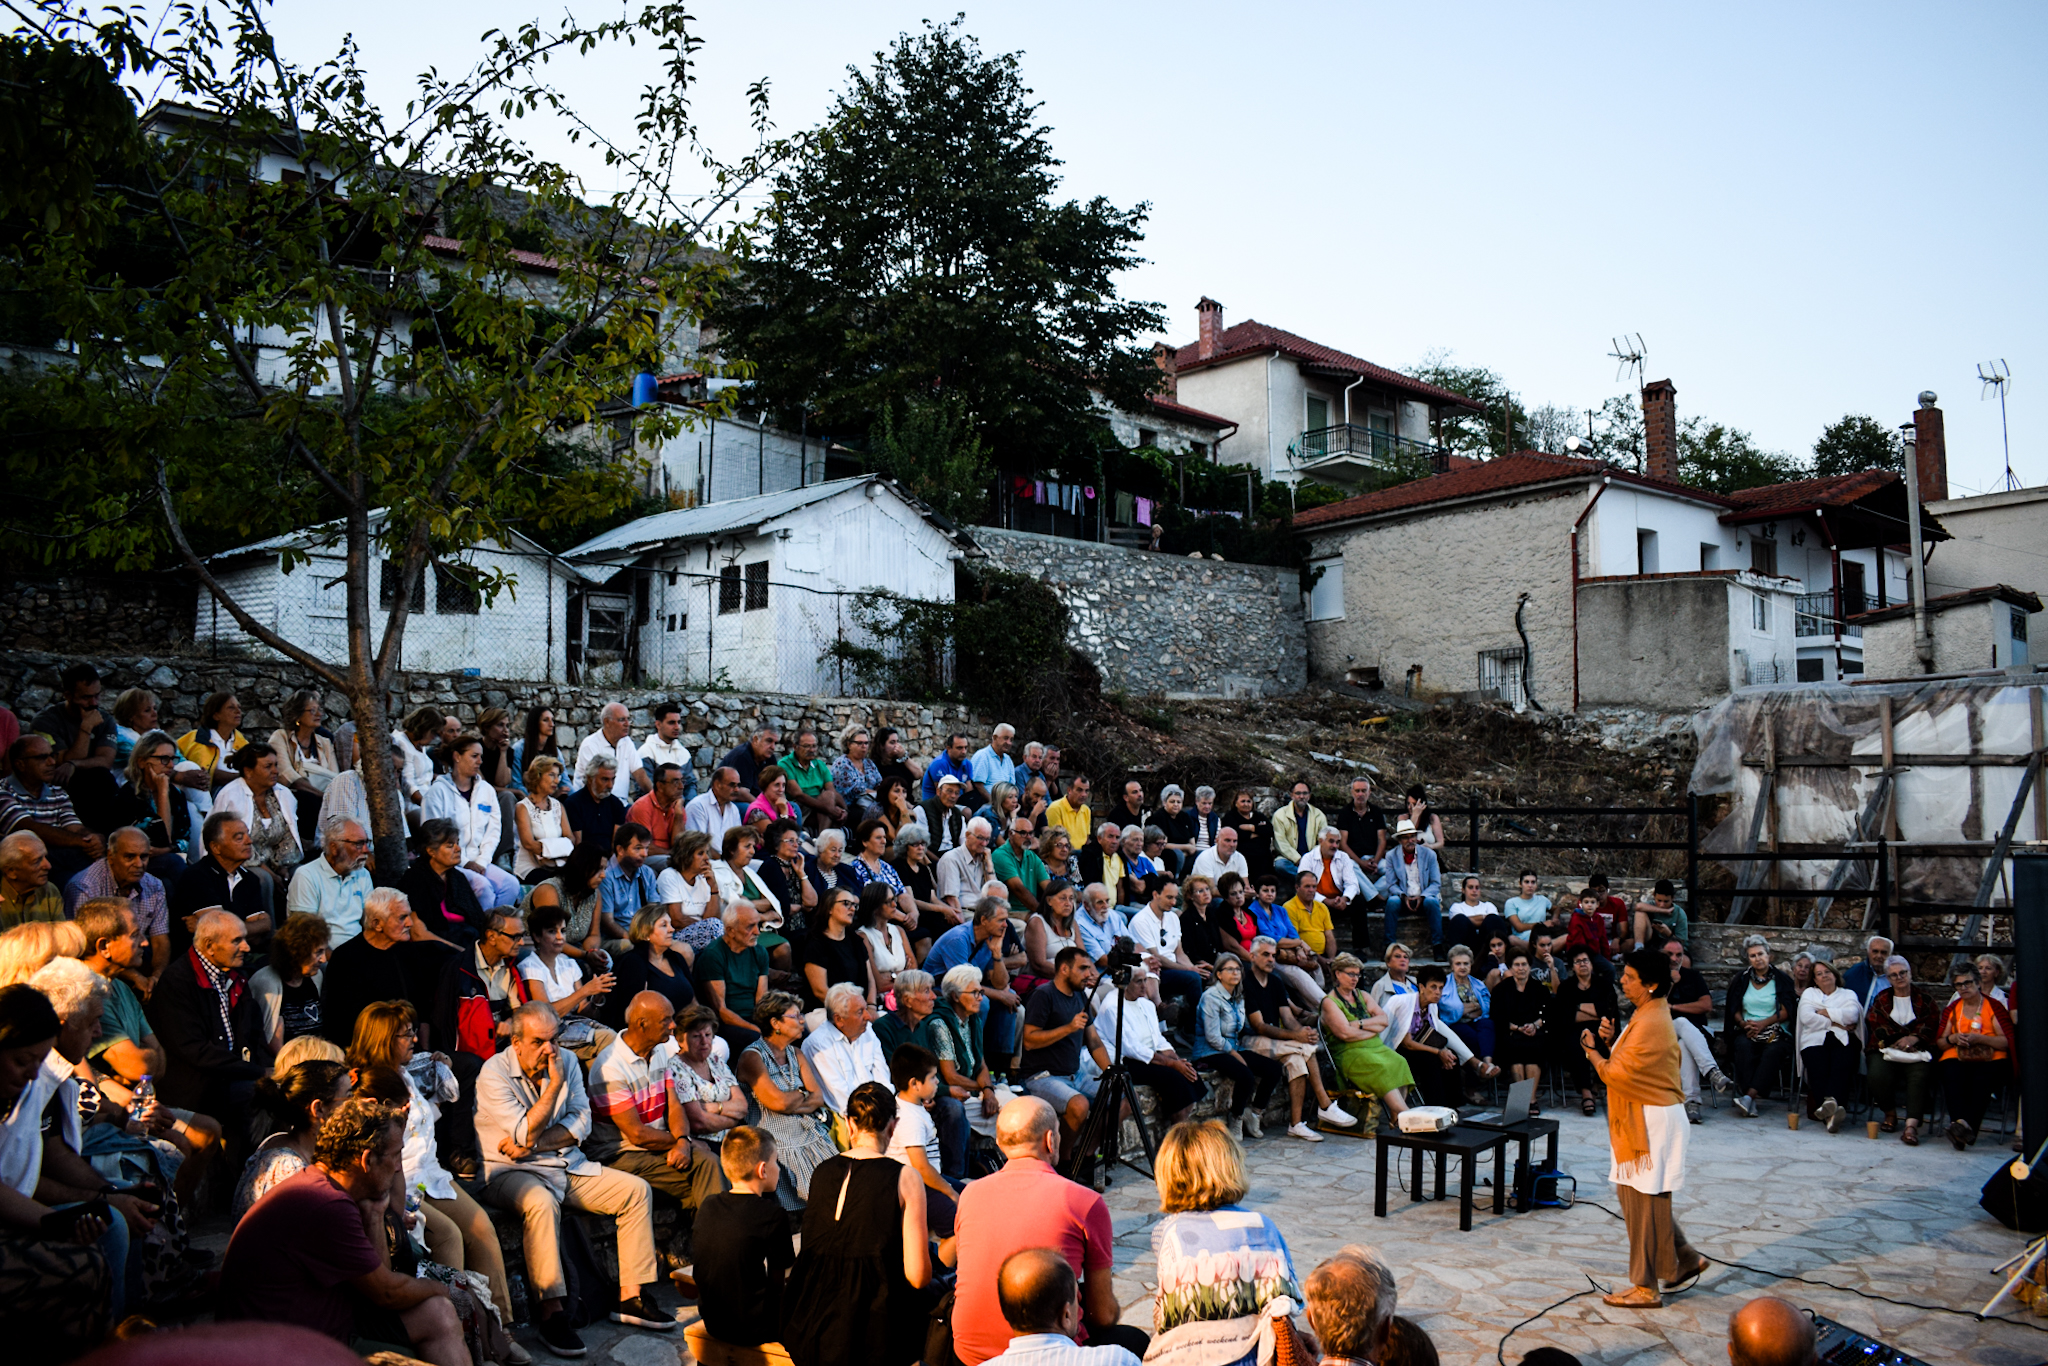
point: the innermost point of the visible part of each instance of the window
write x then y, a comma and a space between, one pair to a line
455, 592
1317, 414
1812, 670
1853, 597
1710, 556
1760, 612
1326, 594
387, 587
604, 630
1763, 556
1148, 437
729, 589
1646, 552
2019, 624
757, 585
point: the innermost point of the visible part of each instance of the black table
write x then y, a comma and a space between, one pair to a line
1461, 1142
1520, 1132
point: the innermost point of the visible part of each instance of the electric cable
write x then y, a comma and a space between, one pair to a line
1500, 1349
1840, 1289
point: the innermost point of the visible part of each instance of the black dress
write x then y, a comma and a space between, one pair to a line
844, 960
848, 1304
1565, 1026
1520, 1007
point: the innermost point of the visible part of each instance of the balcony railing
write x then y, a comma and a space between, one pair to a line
1372, 447
1817, 614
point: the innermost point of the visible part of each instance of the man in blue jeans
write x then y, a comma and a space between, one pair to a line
1057, 1024
1412, 882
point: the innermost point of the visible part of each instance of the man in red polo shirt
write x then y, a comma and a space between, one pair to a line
1029, 1205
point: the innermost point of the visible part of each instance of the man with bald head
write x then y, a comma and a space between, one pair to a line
1769, 1331
1027, 1204
637, 1119
209, 1024
1041, 1301
611, 741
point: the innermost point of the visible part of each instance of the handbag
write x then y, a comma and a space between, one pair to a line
938, 1334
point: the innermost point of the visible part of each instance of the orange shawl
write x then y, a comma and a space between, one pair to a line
1642, 1070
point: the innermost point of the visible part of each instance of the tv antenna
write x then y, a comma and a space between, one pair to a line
1631, 355
1996, 374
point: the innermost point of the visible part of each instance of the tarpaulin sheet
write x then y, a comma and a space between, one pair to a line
1821, 804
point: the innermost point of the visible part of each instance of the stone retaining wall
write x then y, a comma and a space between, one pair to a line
716, 720
114, 612
1165, 625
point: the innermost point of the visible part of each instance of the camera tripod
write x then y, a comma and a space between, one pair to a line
1100, 1142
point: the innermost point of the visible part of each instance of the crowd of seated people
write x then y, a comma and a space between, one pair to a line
885, 977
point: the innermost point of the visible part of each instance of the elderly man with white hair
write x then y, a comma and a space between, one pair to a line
844, 1051
335, 885
964, 871
124, 874
992, 763
1867, 978
25, 890
209, 1022
380, 964
612, 740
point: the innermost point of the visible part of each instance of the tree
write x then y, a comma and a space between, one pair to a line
389, 329
1724, 459
936, 454
917, 251
1857, 443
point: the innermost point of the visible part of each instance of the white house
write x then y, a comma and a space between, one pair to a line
521, 633
753, 592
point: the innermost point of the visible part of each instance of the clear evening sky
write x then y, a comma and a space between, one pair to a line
1805, 210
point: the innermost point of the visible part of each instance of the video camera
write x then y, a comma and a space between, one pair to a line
1123, 957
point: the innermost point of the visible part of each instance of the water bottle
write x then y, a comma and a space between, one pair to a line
145, 1094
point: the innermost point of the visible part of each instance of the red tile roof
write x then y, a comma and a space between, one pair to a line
1483, 477
1186, 414
1251, 338
452, 246
1804, 495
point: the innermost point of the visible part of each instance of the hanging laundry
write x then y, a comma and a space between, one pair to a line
1145, 511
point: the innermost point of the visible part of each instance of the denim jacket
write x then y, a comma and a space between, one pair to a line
1222, 1022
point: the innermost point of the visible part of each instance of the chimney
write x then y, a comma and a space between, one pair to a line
1660, 430
1931, 449
1163, 356
1211, 315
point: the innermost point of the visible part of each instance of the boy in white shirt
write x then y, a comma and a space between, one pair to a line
914, 1072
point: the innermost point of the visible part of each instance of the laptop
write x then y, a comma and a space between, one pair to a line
1514, 1110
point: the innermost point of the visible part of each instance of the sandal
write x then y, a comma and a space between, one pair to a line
1911, 1138
1889, 1124
1588, 1106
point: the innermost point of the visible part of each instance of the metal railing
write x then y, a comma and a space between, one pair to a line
1370, 444
1819, 614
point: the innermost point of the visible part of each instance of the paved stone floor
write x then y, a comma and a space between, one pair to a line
1755, 1193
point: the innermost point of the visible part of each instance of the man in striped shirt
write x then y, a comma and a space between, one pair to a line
637, 1122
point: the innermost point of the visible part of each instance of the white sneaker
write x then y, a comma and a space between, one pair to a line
1253, 1128
1304, 1133
1337, 1115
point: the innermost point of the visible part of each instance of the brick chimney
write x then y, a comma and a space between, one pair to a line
1930, 449
1210, 313
1163, 355
1660, 430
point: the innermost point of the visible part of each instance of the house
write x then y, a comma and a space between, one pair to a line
1997, 538
1982, 628
754, 592
1303, 410
453, 625
1561, 582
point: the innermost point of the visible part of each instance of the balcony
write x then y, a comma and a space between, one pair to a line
1350, 454
1816, 614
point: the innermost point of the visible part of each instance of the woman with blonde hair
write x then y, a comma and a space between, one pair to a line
457, 1231
1218, 1262
544, 841
28, 946
305, 1048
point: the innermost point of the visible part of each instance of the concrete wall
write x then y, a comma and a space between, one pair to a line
1167, 625
1977, 635
725, 458
715, 721
1999, 538
1663, 642
1437, 588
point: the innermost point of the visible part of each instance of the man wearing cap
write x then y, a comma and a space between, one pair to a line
1413, 883
944, 817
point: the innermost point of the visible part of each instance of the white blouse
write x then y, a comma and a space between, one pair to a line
693, 897
562, 980
886, 947
1821, 1015
545, 825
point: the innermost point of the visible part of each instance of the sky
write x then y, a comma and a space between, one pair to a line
1805, 210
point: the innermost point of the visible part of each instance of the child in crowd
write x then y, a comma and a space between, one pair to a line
741, 1244
1662, 916
914, 1072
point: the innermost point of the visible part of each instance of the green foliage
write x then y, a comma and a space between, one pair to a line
917, 250
1724, 459
1000, 647
1483, 435
1857, 443
937, 454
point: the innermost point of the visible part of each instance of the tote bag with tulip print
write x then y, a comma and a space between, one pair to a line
1223, 1264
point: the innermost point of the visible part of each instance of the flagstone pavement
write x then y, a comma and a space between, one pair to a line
1839, 1208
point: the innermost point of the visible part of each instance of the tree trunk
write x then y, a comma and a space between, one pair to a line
380, 780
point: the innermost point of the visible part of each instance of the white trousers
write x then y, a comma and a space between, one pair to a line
1695, 1058
494, 887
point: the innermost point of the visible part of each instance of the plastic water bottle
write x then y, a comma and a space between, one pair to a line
145, 1093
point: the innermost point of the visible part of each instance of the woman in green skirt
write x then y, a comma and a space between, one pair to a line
1352, 1025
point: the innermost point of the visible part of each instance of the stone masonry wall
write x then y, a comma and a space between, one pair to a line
112, 612
1164, 625
715, 721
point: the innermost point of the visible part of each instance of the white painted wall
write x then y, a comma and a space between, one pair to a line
1609, 543
1237, 391
1999, 538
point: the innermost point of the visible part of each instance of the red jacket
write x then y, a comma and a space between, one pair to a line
1586, 931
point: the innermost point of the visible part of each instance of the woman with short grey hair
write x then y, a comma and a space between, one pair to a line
1900, 1043
1761, 1004
1176, 825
